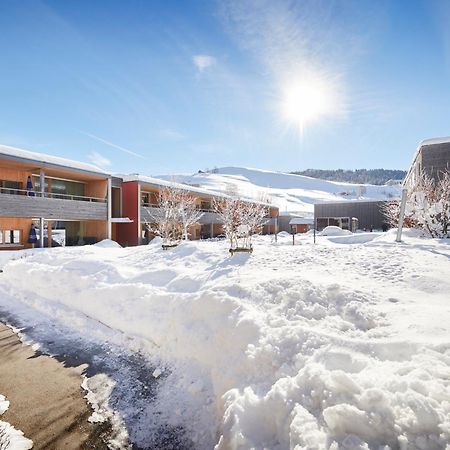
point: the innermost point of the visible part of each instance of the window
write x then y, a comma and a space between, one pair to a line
10, 187
60, 188
145, 198
10, 237
205, 205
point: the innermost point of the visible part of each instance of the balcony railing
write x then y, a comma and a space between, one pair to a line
22, 203
81, 198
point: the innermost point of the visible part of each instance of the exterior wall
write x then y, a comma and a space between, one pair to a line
12, 205
368, 213
128, 233
95, 229
15, 223
435, 159
302, 228
431, 158
97, 188
9, 174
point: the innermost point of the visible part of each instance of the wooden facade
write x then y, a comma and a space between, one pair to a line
86, 216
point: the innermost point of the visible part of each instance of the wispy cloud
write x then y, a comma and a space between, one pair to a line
111, 144
99, 160
204, 62
171, 134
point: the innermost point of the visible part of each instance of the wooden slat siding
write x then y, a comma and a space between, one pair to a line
368, 213
435, 159
51, 208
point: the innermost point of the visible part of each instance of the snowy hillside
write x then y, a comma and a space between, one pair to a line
291, 193
340, 345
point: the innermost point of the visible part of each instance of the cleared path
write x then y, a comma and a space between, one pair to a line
47, 401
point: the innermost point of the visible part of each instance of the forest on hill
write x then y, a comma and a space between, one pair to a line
365, 176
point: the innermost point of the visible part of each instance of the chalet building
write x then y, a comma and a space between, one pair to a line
432, 157
65, 202
66, 199
139, 196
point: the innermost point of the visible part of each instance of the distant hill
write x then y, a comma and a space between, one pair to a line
291, 193
364, 176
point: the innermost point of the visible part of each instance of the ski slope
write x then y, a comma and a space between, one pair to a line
291, 193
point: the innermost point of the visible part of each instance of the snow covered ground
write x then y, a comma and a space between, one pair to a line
291, 193
10, 438
344, 344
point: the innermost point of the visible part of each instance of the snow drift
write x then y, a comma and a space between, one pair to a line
332, 346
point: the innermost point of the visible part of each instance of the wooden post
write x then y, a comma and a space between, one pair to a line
49, 234
276, 228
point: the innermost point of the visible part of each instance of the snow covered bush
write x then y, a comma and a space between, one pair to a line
176, 212
428, 204
240, 220
391, 213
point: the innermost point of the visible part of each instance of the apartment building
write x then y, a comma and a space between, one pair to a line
139, 197
66, 202
432, 157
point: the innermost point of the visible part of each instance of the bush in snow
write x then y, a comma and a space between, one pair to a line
175, 214
240, 220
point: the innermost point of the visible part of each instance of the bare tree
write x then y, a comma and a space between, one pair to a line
188, 212
164, 220
176, 212
391, 213
241, 220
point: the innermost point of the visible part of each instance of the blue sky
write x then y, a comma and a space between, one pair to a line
159, 87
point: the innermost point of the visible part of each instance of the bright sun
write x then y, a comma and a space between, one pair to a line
305, 101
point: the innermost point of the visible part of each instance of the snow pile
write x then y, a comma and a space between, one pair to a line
326, 346
10, 438
335, 231
291, 193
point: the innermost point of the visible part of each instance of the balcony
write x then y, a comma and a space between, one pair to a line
150, 211
19, 203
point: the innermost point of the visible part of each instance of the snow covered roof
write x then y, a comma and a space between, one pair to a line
45, 160
301, 221
187, 187
352, 200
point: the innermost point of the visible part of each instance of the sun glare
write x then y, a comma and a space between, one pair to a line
305, 101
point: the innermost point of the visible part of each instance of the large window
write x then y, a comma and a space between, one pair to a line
10, 187
60, 188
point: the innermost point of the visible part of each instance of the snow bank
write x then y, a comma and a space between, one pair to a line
10, 438
335, 231
309, 347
